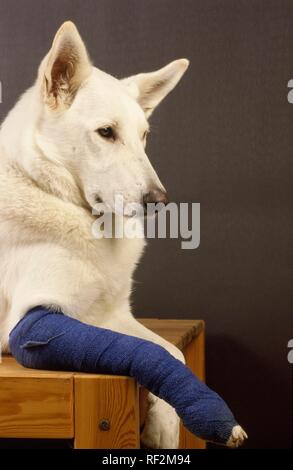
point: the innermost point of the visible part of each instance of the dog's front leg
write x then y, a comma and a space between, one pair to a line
161, 427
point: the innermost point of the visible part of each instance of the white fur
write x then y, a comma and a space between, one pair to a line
53, 166
237, 437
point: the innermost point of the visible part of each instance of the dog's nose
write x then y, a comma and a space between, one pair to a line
155, 196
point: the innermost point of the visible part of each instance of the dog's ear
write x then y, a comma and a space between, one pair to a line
65, 67
149, 89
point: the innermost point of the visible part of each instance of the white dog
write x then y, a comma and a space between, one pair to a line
75, 138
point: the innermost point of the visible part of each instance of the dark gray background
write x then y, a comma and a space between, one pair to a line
224, 139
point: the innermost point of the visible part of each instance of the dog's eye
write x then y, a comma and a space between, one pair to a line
106, 132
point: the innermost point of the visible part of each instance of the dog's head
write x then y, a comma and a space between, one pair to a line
96, 126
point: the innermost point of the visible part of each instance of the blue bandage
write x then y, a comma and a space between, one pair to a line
47, 340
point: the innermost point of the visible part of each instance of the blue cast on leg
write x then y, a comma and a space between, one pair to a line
47, 340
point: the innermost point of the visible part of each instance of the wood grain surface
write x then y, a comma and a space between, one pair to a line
106, 402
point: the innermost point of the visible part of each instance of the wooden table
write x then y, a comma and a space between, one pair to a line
96, 411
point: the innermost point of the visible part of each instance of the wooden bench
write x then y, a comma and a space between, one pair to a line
96, 411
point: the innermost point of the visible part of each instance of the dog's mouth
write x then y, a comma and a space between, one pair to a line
104, 208
101, 208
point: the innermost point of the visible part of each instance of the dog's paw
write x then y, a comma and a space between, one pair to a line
161, 429
237, 437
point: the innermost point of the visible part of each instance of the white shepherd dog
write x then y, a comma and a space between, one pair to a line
75, 138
